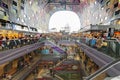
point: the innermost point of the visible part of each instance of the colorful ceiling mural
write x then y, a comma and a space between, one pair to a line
37, 13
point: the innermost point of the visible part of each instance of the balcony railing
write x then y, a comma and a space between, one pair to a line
108, 47
15, 43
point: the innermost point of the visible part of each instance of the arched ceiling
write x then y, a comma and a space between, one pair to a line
40, 11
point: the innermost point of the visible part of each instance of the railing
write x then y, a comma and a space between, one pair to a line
114, 45
108, 47
103, 69
15, 53
41, 39
61, 76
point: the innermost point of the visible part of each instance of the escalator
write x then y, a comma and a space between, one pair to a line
104, 69
100, 58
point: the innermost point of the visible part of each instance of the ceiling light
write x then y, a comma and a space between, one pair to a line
102, 8
96, 17
25, 16
37, 18
18, 19
95, 2
22, 20
29, 18
106, 18
101, 20
30, 2
33, 15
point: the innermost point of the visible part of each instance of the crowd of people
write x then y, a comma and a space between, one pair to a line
6, 43
95, 42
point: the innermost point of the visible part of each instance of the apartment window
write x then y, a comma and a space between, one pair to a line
3, 24
108, 9
3, 13
35, 29
15, 11
107, 3
5, 5
101, 1
14, 3
117, 12
116, 5
22, 27
22, 7
22, 1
